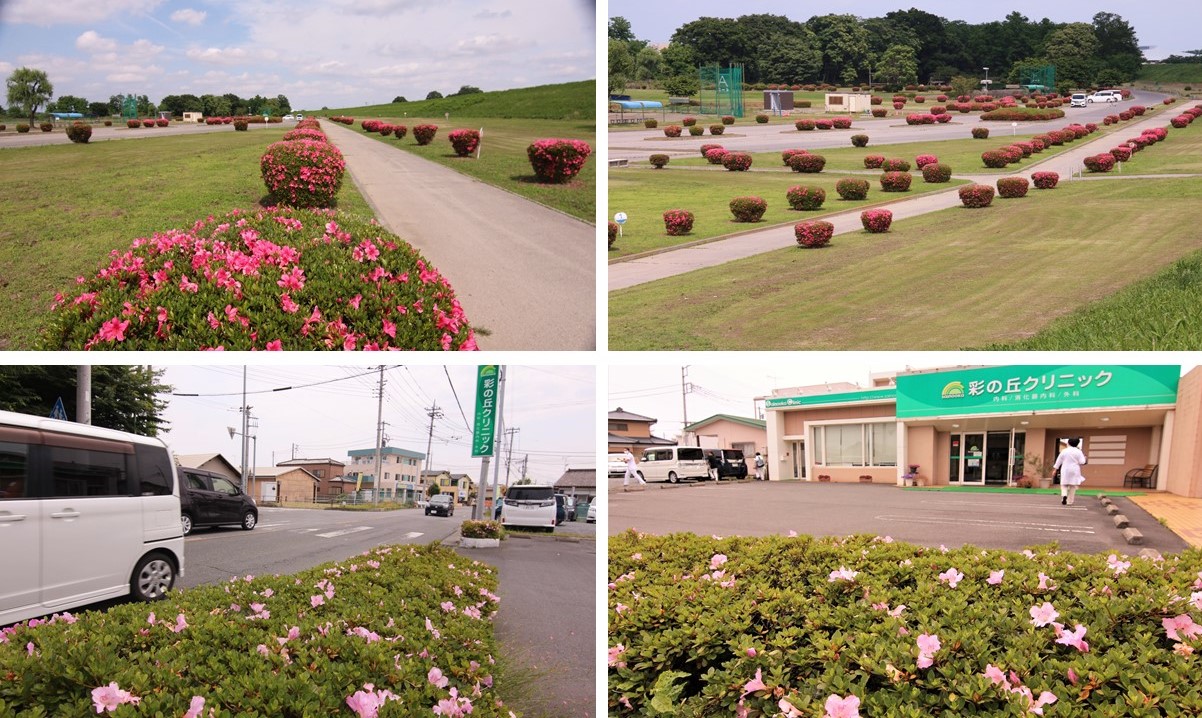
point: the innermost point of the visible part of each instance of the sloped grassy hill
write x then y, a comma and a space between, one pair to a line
567, 101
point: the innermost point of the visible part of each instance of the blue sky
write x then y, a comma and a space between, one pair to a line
335, 53
1168, 27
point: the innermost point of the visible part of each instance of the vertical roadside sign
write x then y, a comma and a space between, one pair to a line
486, 410
58, 412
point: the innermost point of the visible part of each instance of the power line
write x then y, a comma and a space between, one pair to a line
466, 425
271, 391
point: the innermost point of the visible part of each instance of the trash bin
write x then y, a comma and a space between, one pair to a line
581, 511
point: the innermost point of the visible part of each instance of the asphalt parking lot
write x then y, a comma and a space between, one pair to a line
930, 518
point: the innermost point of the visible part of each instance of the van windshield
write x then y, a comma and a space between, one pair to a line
530, 493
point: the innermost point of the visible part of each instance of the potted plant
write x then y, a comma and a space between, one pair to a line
481, 534
909, 478
1038, 468
866, 478
824, 478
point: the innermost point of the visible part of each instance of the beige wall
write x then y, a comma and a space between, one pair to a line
1138, 453
731, 432
296, 486
1184, 475
795, 420
633, 428
922, 448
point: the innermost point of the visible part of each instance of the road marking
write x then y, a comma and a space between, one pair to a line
1025, 507
1051, 528
413, 534
344, 532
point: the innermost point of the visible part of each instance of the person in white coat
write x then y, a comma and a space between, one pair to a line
1070, 461
632, 469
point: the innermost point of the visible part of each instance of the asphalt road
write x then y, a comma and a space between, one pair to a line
929, 518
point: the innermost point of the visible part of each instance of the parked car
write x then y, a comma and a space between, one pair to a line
569, 507
530, 505
289, 118
673, 463
592, 513
1105, 96
733, 464
1079, 99
209, 499
617, 466
86, 514
441, 504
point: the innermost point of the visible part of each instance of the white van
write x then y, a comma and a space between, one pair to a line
673, 463
86, 514
529, 505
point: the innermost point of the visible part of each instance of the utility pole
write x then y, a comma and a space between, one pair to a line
525, 461
684, 390
245, 430
294, 448
509, 452
379, 436
434, 413
83, 394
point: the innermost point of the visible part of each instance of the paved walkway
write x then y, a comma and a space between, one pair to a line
1183, 516
525, 274
671, 262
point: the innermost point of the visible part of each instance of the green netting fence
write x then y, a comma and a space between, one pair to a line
721, 90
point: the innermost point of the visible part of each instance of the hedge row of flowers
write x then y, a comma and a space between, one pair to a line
147, 123
277, 279
833, 123
867, 626
342, 119
1016, 115
694, 130
385, 129
399, 630
928, 118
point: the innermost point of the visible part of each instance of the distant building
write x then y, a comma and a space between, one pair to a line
328, 471
400, 472
726, 431
283, 484
581, 483
216, 463
458, 484
633, 431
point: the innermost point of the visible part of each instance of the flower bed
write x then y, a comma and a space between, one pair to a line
678, 222
816, 233
896, 182
748, 209
403, 626
1100, 163
805, 199
556, 160
852, 188
868, 626
807, 163
936, 173
873, 162
1045, 180
658, 161
464, 142
975, 196
716, 155
1022, 115
482, 529
876, 221
278, 279
738, 161
305, 133
1012, 187
424, 134
303, 173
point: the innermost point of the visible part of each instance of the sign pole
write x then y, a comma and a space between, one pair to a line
480, 144
487, 411
496, 469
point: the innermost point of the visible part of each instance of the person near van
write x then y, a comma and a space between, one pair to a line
715, 464
632, 469
759, 466
1069, 462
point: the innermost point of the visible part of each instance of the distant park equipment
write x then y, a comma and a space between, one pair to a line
129, 107
1039, 79
721, 90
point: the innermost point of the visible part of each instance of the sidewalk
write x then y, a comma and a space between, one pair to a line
669, 263
525, 274
1183, 515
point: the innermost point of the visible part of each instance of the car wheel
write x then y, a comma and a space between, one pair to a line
249, 520
672, 478
186, 523
153, 577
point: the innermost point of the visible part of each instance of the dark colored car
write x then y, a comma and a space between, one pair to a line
441, 504
208, 499
733, 464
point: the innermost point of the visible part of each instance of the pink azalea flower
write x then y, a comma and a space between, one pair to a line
1072, 676
447, 607
1043, 582
717, 560
1118, 566
436, 678
1195, 600
188, 286
108, 698
996, 676
195, 708
843, 574
366, 704
180, 624
995, 577
951, 577
1179, 626
317, 600
114, 330
837, 707
1044, 614
615, 653
1075, 639
788, 710
897, 612
928, 646
755, 684
287, 304
750, 652
1036, 705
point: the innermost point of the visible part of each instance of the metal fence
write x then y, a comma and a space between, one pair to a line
721, 90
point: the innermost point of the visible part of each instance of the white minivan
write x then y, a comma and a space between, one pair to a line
529, 505
86, 514
673, 463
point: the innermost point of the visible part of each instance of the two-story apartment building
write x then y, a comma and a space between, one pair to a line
400, 472
458, 484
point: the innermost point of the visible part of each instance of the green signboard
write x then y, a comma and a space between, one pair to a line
1008, 389
846, 397
486, 410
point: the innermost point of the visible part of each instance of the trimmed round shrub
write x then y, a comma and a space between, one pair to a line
162, 122
875, 100
876, 221
1100, 163
709, 146
976, 195
303, 173
1181, 121
898, 105
241, 125
748, 209
4, 127
651, 123
859, 140
815, 233
980, 133
658, 161
728, 119
696, 130
672, 131
786, 154
919, 99
936, 173
613, 233
873, 162
278, 279
399, 131
23, 128
824, 124
1121, 154
1013, 153
805, 199
150, 123
305, 134
804, 124
79, 132
1157, 133
689, 121
717, 129
896, 164
424, 134
807, 163
841, 123
131, 124
761, 119
107, 123
373, 125
943, 118
557, 160
995, 159
852, 188
879, 111
923, 160
46, 127
678, 222
385, 130
896, 182
716, 155
464, 142
737, 161
1012, 187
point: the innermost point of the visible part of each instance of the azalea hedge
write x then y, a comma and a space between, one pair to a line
303, 172
397, 631
278, 279
863, 625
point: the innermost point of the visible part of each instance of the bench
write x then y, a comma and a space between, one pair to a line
618, 163
1140, 478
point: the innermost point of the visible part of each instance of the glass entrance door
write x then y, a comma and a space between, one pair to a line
799, 459
973, 471
988, 458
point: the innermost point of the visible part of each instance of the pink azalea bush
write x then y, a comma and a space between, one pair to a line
896, 182
876, 221
305, 133
852, 188
807, 163
678, 222
557, 160
277, 279
672, 131
923, 160
873, 162
424, 134
707, 147
1012, 187
786, 155
748, 209
715, 155
936, 173
806, 199
975, 196
816, 233
896, 164
804, 124
1100, 163
464, 142
739, 161
303, 173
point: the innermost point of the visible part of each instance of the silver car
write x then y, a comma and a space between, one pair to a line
1105, 96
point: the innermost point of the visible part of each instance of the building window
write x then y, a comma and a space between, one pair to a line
872, 444
319, 473
619, 426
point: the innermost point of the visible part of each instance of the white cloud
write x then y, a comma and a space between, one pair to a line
492, 14
72, 12
493, 44
189, 16
92, 42
379, 8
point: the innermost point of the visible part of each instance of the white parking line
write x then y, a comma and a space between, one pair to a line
1051, 528
413, 534
1025, 506
344, 532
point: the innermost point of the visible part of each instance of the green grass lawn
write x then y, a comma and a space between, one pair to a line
68, 206
564, 101
1180, 154
644, 194
953, 279
503, 161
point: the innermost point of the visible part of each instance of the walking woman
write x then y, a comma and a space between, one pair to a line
1069, 463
